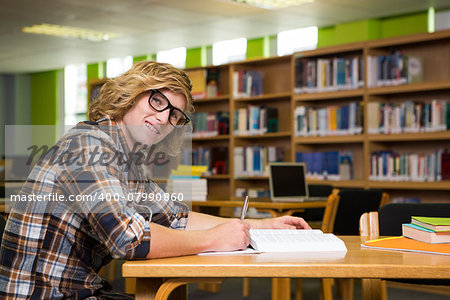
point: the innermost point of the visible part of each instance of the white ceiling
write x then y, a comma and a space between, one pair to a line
148, 26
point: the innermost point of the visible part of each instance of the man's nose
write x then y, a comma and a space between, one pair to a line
163, 116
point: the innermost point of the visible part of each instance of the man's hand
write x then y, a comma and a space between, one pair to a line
229, 236
284, 222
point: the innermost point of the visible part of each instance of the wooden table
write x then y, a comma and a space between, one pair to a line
367, 264
275, 208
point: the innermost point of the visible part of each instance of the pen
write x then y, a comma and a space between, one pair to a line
244, 208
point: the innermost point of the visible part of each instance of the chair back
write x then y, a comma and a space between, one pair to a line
345, 210
316, 190
319, 190
393, 215
368, 224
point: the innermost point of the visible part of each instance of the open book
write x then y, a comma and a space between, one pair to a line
282, 240
289, 240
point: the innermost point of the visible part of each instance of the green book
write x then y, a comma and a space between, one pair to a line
433, 223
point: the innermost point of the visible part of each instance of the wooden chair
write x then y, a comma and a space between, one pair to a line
341, 217
388, 222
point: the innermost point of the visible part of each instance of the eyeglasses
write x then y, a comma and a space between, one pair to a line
160, 103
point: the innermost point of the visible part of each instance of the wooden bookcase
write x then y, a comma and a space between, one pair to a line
279, 92
434, 49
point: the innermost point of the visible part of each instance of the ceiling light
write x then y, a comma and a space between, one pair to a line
70, 32
273, 4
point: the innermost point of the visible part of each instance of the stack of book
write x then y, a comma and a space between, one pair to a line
186, 182
429, 230
423, 234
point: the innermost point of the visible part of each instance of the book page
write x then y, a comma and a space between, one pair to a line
280, 240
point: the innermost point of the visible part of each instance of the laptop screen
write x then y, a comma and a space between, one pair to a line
287, 181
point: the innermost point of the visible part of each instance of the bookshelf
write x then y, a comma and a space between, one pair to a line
285, 87
434, 51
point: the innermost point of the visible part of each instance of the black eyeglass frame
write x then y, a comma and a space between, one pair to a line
169, 106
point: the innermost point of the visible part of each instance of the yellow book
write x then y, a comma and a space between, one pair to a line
198, 80
333, 118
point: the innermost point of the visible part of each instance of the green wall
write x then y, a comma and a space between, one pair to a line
22, 100
44, 106
373, 29
258, 48
357, 31
144, 57
44, 98
326, 37
2, 117
403, 25
196, 57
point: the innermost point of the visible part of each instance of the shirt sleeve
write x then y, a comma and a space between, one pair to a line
102, 189
166, 212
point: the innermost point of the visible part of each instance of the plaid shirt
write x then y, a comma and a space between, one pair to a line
54, 249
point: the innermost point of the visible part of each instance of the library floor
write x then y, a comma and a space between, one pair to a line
260, 289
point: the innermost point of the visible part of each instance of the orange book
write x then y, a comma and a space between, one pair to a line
401, 243
333, 118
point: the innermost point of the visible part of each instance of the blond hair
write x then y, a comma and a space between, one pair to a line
118, 95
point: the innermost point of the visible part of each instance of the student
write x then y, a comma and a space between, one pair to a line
55, 248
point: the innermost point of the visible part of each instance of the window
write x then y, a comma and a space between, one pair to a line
75, 94
117, 66
299, 39
176, 57
229, 51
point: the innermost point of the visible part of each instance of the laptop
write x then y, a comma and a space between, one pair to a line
288, 183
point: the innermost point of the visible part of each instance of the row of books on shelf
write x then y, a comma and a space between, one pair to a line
393, 166
205, 82
327, 165
422, 234
254, 160
248, 83
394, 69
255, 120
252, 193
210, 124
409, 116
214, 158
328, 74
344, 119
